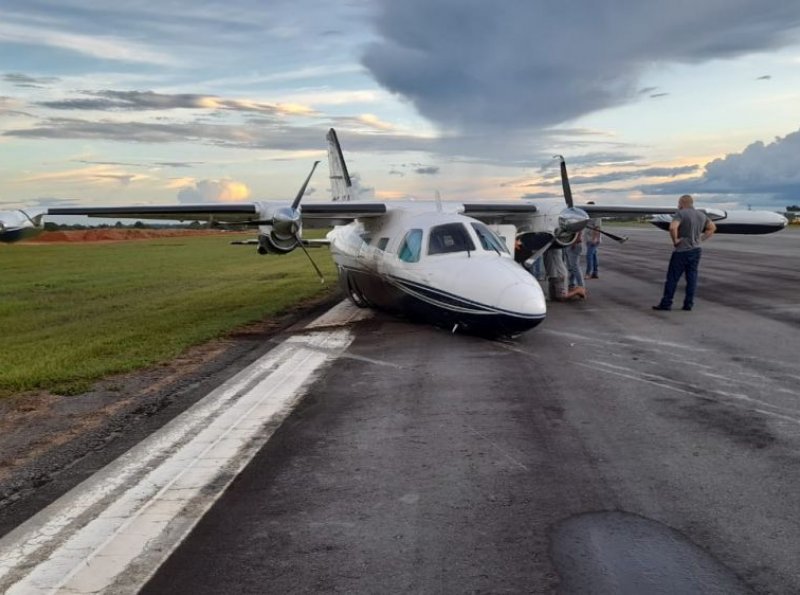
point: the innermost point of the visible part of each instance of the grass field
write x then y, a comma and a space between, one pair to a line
72, 313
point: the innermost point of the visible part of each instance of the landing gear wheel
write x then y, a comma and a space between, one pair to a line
355, 295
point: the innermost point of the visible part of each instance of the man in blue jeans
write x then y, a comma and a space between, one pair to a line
688, 228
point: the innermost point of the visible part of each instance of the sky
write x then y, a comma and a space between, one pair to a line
158, 102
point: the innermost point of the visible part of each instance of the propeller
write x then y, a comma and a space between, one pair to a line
296, 226
620, 239
565, 181
572, 219
286, 225
311, 260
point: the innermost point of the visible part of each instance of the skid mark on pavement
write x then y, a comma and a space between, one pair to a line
697, 391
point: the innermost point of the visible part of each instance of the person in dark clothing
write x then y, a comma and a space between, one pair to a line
689, 227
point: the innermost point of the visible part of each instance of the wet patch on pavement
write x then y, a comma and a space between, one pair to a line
622, 553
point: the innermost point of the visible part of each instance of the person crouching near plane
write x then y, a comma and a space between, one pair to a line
687, 230
557, 273
572, 256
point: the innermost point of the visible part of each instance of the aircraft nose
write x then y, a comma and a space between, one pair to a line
523, 299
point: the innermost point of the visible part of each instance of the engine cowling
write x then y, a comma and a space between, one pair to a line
570, 221
272, 242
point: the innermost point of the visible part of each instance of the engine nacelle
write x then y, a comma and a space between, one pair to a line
272, 242
570, 221
18, 225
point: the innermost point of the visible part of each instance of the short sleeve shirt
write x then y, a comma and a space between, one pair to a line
692, 224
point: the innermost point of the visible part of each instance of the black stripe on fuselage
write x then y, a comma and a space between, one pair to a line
433, 306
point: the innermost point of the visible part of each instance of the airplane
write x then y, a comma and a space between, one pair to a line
450, 263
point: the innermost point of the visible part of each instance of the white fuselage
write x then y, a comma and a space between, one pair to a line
441, 267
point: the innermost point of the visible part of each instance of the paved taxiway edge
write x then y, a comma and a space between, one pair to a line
115, 529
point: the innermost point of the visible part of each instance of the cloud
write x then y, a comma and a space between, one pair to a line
211, 191
96, 175
427, 171
541, 195
631, 174
108, 100
766, 170
467, 64
176, 164
25, 81
105, 47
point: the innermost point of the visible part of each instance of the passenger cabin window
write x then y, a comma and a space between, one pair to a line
451, 237
488, 239
382, 243
411, 246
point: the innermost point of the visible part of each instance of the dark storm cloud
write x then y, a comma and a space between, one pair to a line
760, 170
527, 64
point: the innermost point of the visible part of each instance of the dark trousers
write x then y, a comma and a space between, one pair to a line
679, 264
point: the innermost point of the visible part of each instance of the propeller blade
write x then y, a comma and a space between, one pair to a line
300, 194
565, 181
311, 260
620, 239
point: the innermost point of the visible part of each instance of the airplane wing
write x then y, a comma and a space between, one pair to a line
255, 213
627, 210
499, 212
222, 213
727, 221
22, 224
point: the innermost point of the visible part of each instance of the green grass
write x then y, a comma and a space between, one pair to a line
70, 314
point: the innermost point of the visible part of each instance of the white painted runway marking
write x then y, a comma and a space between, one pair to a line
112, 532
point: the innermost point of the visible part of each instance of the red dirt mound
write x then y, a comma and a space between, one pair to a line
118, 235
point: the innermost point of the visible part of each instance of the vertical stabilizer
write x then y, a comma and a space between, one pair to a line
341, 186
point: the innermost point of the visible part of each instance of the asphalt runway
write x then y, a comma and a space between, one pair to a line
613, 449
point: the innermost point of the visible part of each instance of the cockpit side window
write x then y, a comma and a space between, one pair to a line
411, 246
451, 237
488, 239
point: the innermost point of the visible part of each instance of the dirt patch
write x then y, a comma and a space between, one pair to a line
46, 440
118, 235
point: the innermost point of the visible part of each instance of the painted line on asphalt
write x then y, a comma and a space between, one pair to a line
113, 531
698, 392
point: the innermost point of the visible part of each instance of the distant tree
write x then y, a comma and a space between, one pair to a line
793, 208
139, 225
50, 226
118, 225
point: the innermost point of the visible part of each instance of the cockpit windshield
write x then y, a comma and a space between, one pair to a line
488, 239
451, 237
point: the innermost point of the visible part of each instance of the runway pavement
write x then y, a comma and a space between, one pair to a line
613, 449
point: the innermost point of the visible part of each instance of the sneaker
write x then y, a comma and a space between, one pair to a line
660, 307
594, 276
687, 308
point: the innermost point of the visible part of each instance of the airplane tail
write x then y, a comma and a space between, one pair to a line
341, 185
